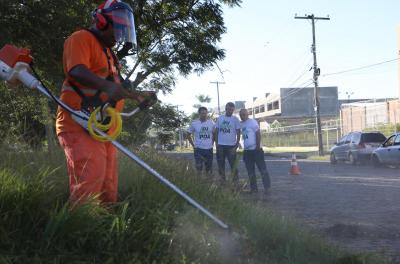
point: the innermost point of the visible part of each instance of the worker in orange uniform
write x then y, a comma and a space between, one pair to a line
92, 78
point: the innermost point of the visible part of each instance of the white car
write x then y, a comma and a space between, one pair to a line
388, 152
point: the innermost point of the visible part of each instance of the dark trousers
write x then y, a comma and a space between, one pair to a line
203, 156
252, 158
227, 152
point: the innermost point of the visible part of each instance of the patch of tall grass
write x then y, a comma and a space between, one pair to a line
150, 224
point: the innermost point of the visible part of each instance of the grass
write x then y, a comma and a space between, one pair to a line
319, 158
183, 149
386, 129
150, 224
305, 138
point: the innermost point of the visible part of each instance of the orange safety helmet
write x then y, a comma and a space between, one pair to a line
120, 16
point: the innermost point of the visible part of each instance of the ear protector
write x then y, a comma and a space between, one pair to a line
102, 21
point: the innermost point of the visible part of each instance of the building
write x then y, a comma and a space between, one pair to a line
294, 106
369, 114
238, 105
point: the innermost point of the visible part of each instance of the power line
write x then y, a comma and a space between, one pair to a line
301, 86
296, 67
298, 78
296, 90
361, 68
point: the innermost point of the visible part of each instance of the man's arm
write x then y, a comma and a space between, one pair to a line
237, 132
190, 139
215, 132
258, 139
115, 91
215, 136
237, 137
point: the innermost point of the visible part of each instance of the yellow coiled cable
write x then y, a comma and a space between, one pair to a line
115, 123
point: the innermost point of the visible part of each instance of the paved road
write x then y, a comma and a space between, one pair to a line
358, 206
355, 206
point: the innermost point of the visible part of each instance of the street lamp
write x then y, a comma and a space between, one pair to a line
348, 96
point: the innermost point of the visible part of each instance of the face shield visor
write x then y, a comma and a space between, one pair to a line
122, 21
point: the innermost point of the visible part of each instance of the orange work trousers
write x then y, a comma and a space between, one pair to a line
92, 167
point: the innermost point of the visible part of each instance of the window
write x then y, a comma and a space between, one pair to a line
397, 140
269, 106
389, 142
342, 140
373, 138
275, 105
355, 138
262, 108
256, 109
348, 138
250, 110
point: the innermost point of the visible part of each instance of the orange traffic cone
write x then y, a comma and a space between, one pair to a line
294, 170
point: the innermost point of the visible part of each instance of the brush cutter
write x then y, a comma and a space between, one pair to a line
15, 69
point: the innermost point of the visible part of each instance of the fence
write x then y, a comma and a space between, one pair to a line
303, 135
369, 116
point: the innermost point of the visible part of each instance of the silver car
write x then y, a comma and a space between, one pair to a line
356, 147
388, 152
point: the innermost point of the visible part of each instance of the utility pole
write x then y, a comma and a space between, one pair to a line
218, 83
315, 78
180, 129
348, 96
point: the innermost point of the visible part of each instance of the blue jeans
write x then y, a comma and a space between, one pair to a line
203, 156
252, 158
228, 152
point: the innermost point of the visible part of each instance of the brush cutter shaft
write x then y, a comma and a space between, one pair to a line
136, 110
20, 73
168, 183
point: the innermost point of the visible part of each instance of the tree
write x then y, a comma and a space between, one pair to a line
177, 35
203, 99
173, 36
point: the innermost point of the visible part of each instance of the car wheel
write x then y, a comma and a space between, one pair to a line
352, 159
333, 158
376, 162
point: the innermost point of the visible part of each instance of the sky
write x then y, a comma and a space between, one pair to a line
267, 49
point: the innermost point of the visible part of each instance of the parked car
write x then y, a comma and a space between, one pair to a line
388, 152
356, 147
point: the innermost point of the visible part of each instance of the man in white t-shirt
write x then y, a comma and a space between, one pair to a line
202, 130
227, 135
253, 154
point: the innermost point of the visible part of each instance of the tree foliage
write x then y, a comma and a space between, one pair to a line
202, 99
173, 36
177, 35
